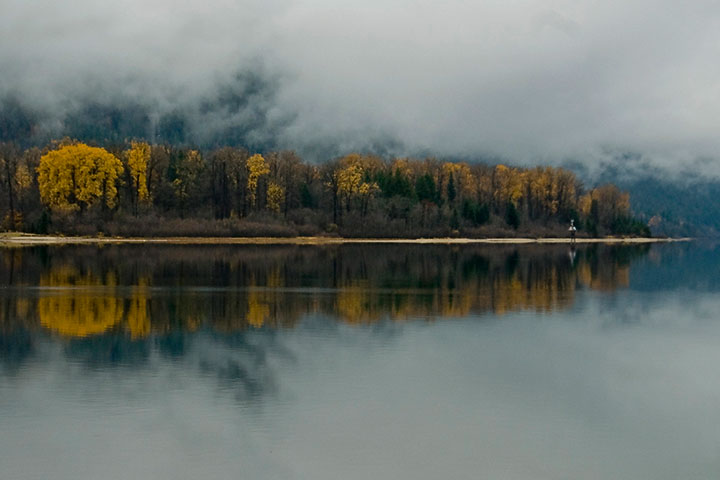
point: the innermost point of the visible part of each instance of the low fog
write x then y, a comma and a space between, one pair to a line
537, 81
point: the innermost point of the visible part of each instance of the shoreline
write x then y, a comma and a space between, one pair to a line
25, 239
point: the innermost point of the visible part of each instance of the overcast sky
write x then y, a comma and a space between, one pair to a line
526, 80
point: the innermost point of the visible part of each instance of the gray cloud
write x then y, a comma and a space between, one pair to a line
530, 81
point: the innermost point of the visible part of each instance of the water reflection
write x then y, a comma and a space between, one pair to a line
117, 305
307, 362
78, 292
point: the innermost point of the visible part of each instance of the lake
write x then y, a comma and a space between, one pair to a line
360, 361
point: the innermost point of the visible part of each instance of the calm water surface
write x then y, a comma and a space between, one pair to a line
358, 362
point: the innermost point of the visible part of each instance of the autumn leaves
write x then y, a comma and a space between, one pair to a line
78, 176
355, 195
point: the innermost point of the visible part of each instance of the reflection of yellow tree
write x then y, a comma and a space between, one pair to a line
138, 321
354, 304
507, 294
446, 288
22, 307
258, 311
263, 305
275, 278
79, 312
604, 278
548, 291
455, 302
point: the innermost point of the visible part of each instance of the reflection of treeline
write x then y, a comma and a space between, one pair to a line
142, 290
142, 189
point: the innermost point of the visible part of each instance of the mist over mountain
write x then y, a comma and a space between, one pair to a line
674, 202
236, 112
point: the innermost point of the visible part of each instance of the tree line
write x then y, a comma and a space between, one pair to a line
144, 189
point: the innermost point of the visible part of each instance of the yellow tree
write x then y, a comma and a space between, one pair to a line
351, 180
287, 170
467, 183
138, 158
275, 197
507, 185
538, 189
257, 167
612, 202
78, 176
446, 182
603, 205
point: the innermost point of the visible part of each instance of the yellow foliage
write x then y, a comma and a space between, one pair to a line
78, 175
585, 203
508, 185
350, 182
607, 278
138, 321
275, 278
138, 158
91, 309
354, 305
23, 178
22, 307
258, 311
350, 179
257, 167
402, 165
367, 163
275, 197
611, 202
467, 184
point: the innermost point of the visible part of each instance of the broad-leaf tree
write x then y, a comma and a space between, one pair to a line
75, 177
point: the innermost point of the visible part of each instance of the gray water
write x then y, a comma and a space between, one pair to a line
360, 362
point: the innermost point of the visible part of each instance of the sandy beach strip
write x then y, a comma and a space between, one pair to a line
16, 239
